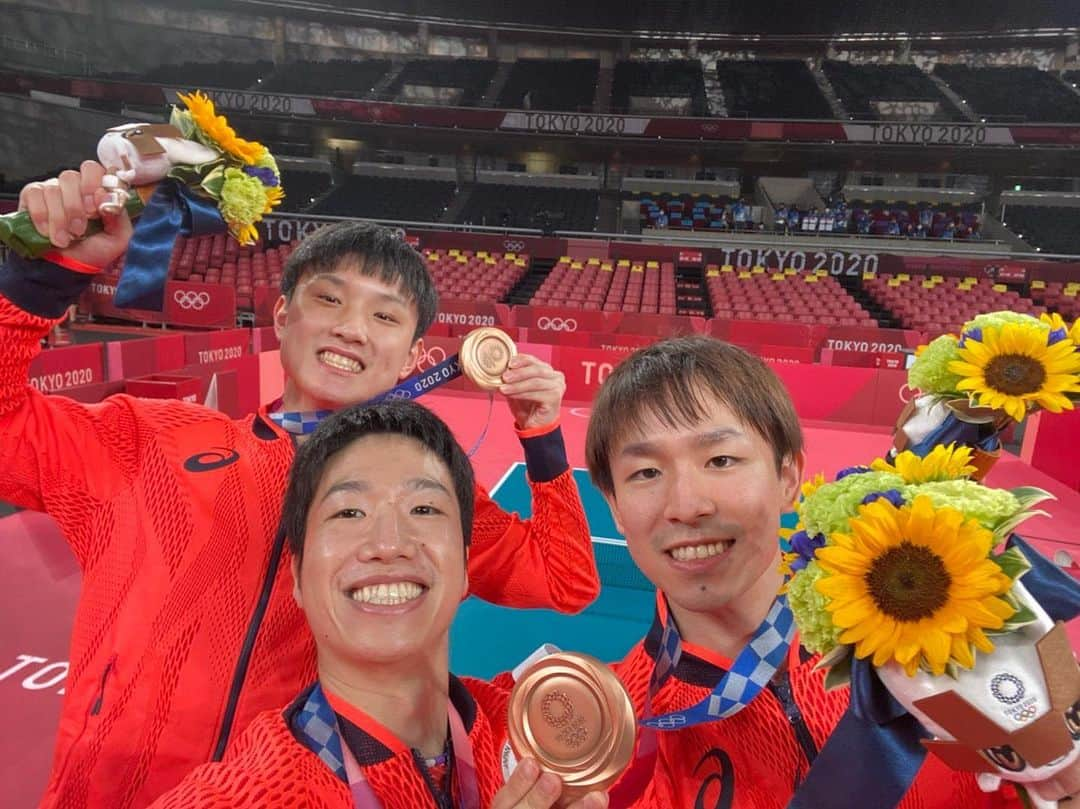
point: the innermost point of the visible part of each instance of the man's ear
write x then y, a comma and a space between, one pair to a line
280, 315
296, 594
613, 507
415, 352
791, 477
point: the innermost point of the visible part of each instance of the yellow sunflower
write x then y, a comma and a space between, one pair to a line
216, 128
914, 584
1054, 321
812, 485
1074, 332
943, 462
1013, 368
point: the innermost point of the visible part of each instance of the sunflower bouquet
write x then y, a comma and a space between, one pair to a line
193, 176
911, 567
1000, 367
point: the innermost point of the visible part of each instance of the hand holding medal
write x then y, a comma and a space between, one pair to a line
571, 715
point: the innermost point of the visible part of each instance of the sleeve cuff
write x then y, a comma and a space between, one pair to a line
545, 452
41, 288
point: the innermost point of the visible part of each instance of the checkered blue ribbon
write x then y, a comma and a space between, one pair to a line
752, 670
306, 422
316, 726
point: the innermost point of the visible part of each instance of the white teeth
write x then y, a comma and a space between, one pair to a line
338, 361
387, 594
691, 552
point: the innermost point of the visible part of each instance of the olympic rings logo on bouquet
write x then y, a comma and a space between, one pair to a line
556, 324
188, 299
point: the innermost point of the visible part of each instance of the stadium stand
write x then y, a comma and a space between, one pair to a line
340, 77
860, 86
1062, 297
403, 199
302, 188
224, 74
782, 295
1051, 229
551, 84
1012, 93
690, 212
771, 88
459, 82
529, 206
479, 275
610, 285
917, 220
641, 86
936, 304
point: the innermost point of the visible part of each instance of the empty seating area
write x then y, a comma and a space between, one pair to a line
1051, 229
914, 220
1012, 93
232, 75
476, 275
859, 86
551, 84
674, 79
394, 198
782, 295
523, 206
459, 82
771, 88
340, 77
610, 285
1062, 297
937, 304
302, 188
692, 212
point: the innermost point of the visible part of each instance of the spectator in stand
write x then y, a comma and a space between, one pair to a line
793, 219
661, 222
893, 228
740, 213
780, 220
926, 218
949, 232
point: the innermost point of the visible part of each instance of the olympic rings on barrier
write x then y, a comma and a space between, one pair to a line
556, 324
188, 299
513, 246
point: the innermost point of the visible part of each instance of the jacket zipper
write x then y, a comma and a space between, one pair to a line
95, 708
781, 689
244, 661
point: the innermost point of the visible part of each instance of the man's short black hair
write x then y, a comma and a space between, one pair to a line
395, 417
377, 252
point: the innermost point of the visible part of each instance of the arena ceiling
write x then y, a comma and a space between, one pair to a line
771, 18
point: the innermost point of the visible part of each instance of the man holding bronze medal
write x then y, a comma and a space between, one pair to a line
378, 515
186, 628
696, 446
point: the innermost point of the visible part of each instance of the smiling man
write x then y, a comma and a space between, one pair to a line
186, 627
379, 516
696, 446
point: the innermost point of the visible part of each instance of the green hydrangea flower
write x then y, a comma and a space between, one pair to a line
243, 197
816, 630
827, 510
930, 372
268, 162
988, 506
996, 320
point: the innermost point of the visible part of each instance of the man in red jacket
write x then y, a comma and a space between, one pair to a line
186, 627
697, 448
378, 515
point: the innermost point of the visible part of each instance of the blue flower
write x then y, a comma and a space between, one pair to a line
1056, 336
806, 546
852, 470
975, 334
892, 495
266, 176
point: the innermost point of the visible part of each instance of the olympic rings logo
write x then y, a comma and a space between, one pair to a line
673, 721
1025, 714
556, 324
513, 246
188, 299
400, 394
430, 358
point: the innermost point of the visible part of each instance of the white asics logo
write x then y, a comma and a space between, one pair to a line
188, 299
556, 324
